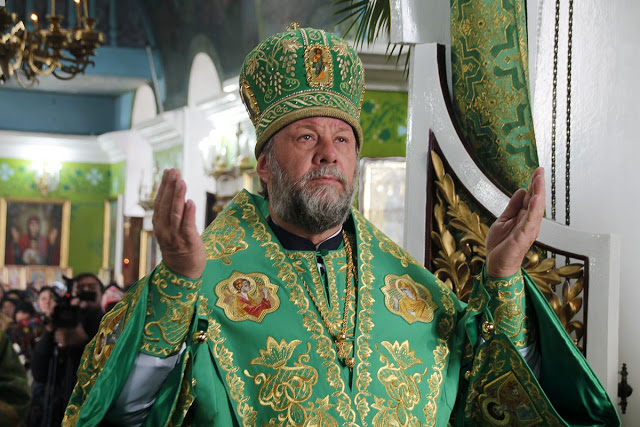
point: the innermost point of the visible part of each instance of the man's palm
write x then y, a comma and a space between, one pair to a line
513, 233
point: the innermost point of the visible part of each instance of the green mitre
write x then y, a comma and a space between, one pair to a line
300, 73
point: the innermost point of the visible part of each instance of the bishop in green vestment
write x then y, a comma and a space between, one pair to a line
293, 310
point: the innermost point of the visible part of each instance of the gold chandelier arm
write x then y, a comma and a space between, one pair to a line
58, 51
50, 63
30, 80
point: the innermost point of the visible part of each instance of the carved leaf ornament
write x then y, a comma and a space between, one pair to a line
458, 239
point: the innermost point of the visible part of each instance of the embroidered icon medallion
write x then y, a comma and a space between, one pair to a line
408, 299
318, 66
249, 296
505, 401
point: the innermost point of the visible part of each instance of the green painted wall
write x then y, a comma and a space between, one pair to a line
87, 186
118, 178
384, 123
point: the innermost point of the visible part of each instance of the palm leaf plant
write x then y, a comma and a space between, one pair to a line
369, 19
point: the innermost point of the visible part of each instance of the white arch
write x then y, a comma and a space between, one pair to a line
204, 82
144, 105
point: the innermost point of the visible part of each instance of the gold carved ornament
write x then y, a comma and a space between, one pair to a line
459, 236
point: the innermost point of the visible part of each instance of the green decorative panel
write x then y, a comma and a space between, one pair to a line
384, 123
118, 178
86, 185
17, 179
169, 158
86, 236
85, 181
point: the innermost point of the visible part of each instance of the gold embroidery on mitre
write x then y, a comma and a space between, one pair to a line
408, 299
247, 296
250, 101
318, 65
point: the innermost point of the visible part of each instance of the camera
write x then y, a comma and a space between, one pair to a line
66, 314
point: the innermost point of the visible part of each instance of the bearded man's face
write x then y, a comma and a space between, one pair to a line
312, 170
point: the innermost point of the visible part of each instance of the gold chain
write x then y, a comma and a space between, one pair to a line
340, 337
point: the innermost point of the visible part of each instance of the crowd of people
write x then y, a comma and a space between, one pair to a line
44, 330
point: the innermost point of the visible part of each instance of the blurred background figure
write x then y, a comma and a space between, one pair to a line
73, 321
14, 388
8, 307
25, 331
111, 296
46, 302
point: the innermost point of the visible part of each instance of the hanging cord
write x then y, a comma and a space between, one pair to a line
567, 200
567, 219
554, 110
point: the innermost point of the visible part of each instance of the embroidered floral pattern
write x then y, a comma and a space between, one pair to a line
224, 237
401, 385
170, 307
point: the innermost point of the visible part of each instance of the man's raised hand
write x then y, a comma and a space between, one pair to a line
513, 233
175, 228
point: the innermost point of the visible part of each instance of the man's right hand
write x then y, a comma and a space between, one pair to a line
175, 228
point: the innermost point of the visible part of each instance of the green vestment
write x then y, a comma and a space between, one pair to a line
258, 352
14, 388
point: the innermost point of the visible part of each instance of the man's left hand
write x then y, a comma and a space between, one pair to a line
513, 233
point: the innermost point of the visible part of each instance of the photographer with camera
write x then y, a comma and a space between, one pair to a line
56, 356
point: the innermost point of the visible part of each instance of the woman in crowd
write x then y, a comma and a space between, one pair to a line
46, 302
25, 331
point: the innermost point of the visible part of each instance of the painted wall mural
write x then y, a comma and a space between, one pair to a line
86, 186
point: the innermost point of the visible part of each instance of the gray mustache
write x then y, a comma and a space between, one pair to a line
324, 171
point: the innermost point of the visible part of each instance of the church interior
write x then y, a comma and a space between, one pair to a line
85, 136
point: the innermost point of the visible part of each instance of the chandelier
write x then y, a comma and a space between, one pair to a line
55, 50
47, 174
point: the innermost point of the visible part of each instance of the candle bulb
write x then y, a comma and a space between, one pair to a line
53, 7
86, 9
34, 18
79, 17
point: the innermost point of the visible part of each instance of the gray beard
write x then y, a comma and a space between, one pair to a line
314, 209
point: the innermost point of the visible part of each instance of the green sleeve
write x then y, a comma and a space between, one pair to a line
511, 313
153, 317
170, 306
14, 389
497, 387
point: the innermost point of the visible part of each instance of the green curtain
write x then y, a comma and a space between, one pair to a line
491, 87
